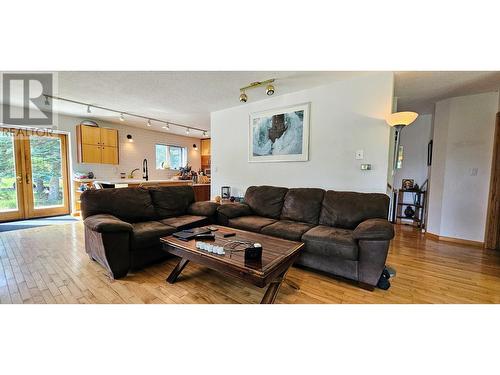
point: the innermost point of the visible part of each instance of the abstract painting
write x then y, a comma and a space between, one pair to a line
280, 134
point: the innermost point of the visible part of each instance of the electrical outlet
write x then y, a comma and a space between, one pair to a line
359, 155
366, 167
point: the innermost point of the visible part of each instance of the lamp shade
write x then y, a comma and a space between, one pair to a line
402, 118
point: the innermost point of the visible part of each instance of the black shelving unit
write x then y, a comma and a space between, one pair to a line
419, 216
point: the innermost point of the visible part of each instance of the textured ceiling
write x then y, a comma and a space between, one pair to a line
189, 97
418, 91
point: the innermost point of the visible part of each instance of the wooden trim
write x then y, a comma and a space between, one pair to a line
492, 232
461, 241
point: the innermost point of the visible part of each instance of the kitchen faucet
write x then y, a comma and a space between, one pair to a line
145, 169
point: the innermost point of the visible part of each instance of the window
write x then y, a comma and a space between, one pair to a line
171, 157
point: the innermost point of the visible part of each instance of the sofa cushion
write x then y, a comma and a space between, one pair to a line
328, 241
287, 229
127, 204
185, 221
171, 201
250, 223
148, 233
346, 209
303, 204
266, 201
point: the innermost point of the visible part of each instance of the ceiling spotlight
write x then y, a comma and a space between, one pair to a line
121, 117
166, 127
187, 131
243, 97
149, 122
204, 133
88, 109
270, 90
47, 100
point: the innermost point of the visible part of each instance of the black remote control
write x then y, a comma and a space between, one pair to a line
205, 236
225, 235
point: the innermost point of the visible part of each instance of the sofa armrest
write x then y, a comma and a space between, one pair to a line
374, 229
231, 210
107, 223
206, 208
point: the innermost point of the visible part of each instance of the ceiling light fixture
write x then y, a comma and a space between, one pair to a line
243, 97
122, 114
204, 133
149, 122
269, 88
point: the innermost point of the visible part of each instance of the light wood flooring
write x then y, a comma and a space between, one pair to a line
49, 265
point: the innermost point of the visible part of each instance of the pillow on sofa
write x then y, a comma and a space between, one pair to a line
346, 209
128, 204
266, 201
171, 201
303, 204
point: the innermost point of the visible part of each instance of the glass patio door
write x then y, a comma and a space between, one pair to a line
11, 180
33, 174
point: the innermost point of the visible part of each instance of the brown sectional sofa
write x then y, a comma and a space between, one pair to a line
345, 233
123, 226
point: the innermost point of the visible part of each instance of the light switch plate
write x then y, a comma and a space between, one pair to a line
359, 155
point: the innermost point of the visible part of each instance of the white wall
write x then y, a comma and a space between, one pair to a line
415, 139
131, 154
463, 140
345, 116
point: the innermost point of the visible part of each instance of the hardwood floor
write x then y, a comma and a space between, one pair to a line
49, 265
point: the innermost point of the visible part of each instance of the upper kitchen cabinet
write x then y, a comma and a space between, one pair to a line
205, 155
97, 145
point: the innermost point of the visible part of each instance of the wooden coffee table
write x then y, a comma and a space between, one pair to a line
277, 257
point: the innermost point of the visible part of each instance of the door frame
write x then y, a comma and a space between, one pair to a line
24, 184
492, 234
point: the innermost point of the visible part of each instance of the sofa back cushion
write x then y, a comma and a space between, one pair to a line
266, 201
128, 204
303, 204
346, 209
171, 201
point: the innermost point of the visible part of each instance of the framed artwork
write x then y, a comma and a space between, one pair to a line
407, 184
280, 134
429, 152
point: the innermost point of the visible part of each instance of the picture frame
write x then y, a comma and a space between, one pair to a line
279, 135
429, 152
407, 184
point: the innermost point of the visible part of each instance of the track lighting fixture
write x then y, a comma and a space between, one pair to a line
243, 97
122, 114
269, 88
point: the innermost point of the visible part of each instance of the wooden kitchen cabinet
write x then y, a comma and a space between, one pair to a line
97, 145
205, 147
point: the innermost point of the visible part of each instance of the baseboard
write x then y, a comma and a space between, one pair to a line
454, 240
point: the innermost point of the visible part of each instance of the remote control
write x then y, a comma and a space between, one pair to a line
229, 234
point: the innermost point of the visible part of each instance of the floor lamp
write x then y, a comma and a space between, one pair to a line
398, 121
